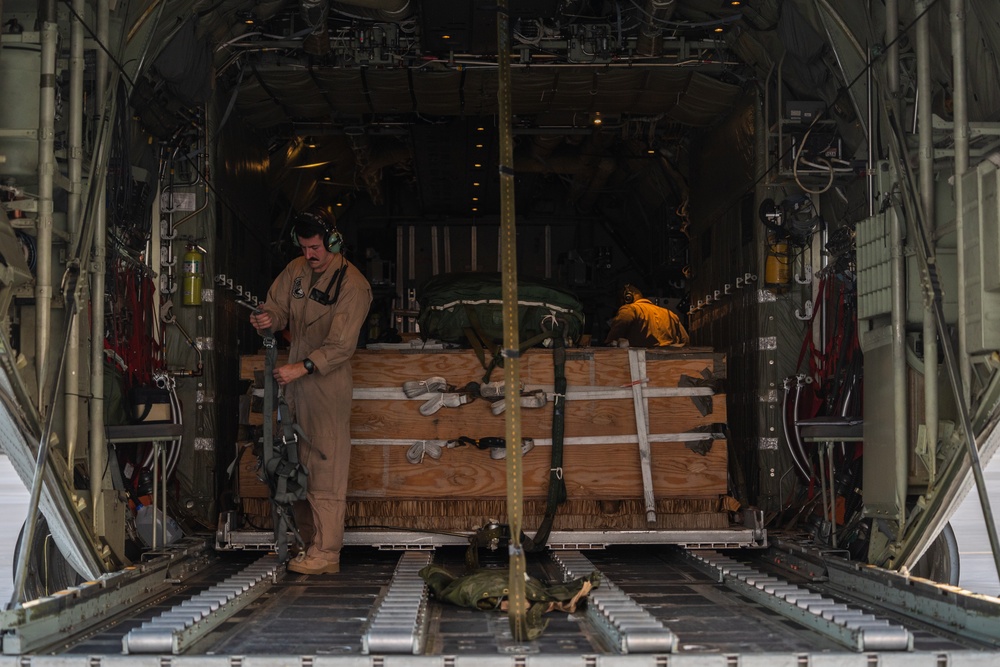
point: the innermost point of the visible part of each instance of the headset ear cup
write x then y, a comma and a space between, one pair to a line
334, 240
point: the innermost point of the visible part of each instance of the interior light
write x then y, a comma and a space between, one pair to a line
475, 184
480, 129
479, 145
735, 3
597, 118
651, 151
475, 199
474, 209
445, 36
326, 178
339, 204
718, 30
477, 165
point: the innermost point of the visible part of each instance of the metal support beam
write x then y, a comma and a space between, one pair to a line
926, 130
46, 184
80, 609
961, 129
98, 446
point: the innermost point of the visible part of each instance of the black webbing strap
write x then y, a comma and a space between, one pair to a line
489, 535
557, 482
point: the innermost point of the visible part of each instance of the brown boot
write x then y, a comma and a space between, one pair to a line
306, 564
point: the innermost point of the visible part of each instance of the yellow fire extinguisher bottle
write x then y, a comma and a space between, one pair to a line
777, 267
192, 277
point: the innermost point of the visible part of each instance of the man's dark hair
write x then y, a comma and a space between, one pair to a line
309, 224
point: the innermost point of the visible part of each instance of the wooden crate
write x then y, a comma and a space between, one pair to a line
602, 464
248, 482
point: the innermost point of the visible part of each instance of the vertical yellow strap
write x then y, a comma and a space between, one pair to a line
518, 606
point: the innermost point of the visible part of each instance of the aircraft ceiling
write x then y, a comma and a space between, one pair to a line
406, 81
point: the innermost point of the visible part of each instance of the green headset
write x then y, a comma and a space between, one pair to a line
333, 240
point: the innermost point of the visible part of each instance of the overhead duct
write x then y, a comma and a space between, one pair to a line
380, 10
653, 12
315, 11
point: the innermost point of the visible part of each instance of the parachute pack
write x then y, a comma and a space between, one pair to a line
468, 308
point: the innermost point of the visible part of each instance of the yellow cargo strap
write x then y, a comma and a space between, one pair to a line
518, 607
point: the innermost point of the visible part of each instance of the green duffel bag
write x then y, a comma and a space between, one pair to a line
486, 590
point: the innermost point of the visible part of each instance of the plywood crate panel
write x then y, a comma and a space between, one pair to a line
465, 486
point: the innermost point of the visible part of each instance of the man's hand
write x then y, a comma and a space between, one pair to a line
260, 320
289, 373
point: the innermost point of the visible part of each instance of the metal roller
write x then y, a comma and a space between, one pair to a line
399, 623
627, 626
851, 627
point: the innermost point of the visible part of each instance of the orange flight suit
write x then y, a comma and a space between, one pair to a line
644, 324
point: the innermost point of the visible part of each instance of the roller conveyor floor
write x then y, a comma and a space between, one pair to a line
663, 588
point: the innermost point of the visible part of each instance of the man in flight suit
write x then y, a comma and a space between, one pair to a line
323, 300
644, 324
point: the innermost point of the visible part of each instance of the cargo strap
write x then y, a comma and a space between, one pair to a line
485, 347
517, 601
491, 534
557, 481
497, 446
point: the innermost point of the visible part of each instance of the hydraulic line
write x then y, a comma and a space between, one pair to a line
788, 436
801, 381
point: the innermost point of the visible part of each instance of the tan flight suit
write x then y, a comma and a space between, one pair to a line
321, 402
644, 324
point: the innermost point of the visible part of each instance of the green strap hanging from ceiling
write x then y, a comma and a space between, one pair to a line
517, 600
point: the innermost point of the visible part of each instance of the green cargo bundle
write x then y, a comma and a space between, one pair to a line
455, 305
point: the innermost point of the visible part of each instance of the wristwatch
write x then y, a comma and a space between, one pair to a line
310, 366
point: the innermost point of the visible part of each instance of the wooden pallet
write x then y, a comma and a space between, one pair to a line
603, 469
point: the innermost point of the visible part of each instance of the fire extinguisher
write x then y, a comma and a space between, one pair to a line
777, 267
192, 276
